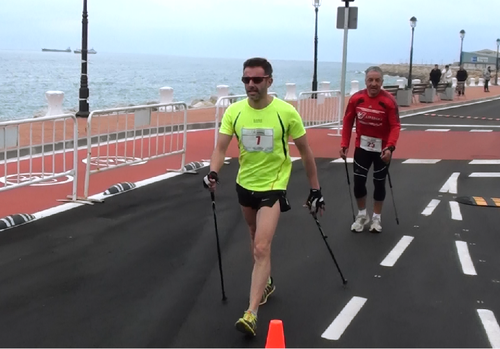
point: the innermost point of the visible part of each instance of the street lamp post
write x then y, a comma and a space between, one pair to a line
462, 35
316, 4
413, 24
496, 70
83, 110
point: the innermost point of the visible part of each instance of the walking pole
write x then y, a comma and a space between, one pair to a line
218, 246
344, 281
392, 194
349, 188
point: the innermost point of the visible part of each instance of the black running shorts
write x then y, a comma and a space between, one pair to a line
258, 199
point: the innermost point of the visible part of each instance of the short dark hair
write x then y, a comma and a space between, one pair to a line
259, 62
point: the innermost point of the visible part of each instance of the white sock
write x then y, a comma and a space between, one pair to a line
377, 215
362, 212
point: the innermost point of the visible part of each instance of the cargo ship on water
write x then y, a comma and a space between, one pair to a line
55, 50
91, 51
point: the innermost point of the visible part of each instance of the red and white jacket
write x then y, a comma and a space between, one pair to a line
375, 117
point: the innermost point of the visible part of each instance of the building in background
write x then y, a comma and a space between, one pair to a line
479, 59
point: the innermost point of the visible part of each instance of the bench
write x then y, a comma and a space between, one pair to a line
419, 89
392, 89
441, 88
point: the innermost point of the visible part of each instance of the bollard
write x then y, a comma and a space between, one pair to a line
354, 87
480, 82
325, 86
166, 96
401, 83
223, 90
55, 100
472, 82
454, 82
291, 94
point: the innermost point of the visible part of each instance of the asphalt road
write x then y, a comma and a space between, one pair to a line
141, 270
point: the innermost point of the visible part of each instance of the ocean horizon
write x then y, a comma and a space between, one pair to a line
118, 80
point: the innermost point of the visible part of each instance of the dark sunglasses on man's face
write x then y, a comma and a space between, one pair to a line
255, 79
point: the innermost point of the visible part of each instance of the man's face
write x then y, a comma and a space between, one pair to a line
374, 83
256, 82
436, 67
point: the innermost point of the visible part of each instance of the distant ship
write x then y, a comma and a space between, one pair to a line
55, 50
91, 51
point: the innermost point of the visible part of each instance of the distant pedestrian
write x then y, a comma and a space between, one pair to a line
461, 79
446, 74
435, 76
487, 77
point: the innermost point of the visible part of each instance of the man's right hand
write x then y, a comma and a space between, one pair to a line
211, 180
343, 152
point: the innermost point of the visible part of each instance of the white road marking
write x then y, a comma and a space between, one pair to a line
438, 129
481, 130
484, 162
421, 161
465, 260
451, 184
339, 325
397, 251
485, 174
491, 326
349, 160
455, 211
430, 208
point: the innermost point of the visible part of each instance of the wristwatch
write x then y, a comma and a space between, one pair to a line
391, 148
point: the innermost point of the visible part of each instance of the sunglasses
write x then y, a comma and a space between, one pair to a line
255, 79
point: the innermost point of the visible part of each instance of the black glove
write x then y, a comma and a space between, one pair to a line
315, 200
210, 178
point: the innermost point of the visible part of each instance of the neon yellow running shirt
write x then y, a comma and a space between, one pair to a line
263, 135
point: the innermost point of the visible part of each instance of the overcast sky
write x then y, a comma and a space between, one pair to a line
276, 29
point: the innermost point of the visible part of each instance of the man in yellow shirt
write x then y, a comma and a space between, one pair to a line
262, 125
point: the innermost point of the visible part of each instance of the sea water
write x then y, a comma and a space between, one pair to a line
117, 80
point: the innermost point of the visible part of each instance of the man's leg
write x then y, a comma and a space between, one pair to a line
267, 221
379, 174
250, 215
362, 163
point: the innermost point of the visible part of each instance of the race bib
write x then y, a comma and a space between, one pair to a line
371, 144
257, 139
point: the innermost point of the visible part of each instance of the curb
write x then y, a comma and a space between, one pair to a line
15, 220
446, 106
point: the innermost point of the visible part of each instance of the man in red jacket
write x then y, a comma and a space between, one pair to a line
377, 132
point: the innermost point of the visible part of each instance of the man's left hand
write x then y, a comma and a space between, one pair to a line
386, 155
315, 201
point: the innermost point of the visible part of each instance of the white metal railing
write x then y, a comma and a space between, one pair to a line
49, 153
220, 107
320, 108
128, 136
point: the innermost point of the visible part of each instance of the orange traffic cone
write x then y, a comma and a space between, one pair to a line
275, 335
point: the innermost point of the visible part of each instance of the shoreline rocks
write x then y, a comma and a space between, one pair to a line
421, 71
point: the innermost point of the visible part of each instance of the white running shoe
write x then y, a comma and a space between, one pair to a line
359, 223
376, 226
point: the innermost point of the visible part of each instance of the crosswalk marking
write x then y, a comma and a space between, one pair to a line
397, 251
465, 259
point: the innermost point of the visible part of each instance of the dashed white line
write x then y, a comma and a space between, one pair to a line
421, 161
430, 207
397, 251
465, 259
481, 130
438, 129
349, 160
451, 184
491, 326
485, 174
455, 211
339, 325
484, 162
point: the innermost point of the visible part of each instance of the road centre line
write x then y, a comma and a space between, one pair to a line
451, 184
485, 174
430, 207
421, 161
465, 259
397, 251
339, 325
455, 211
491, 326
484, 162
